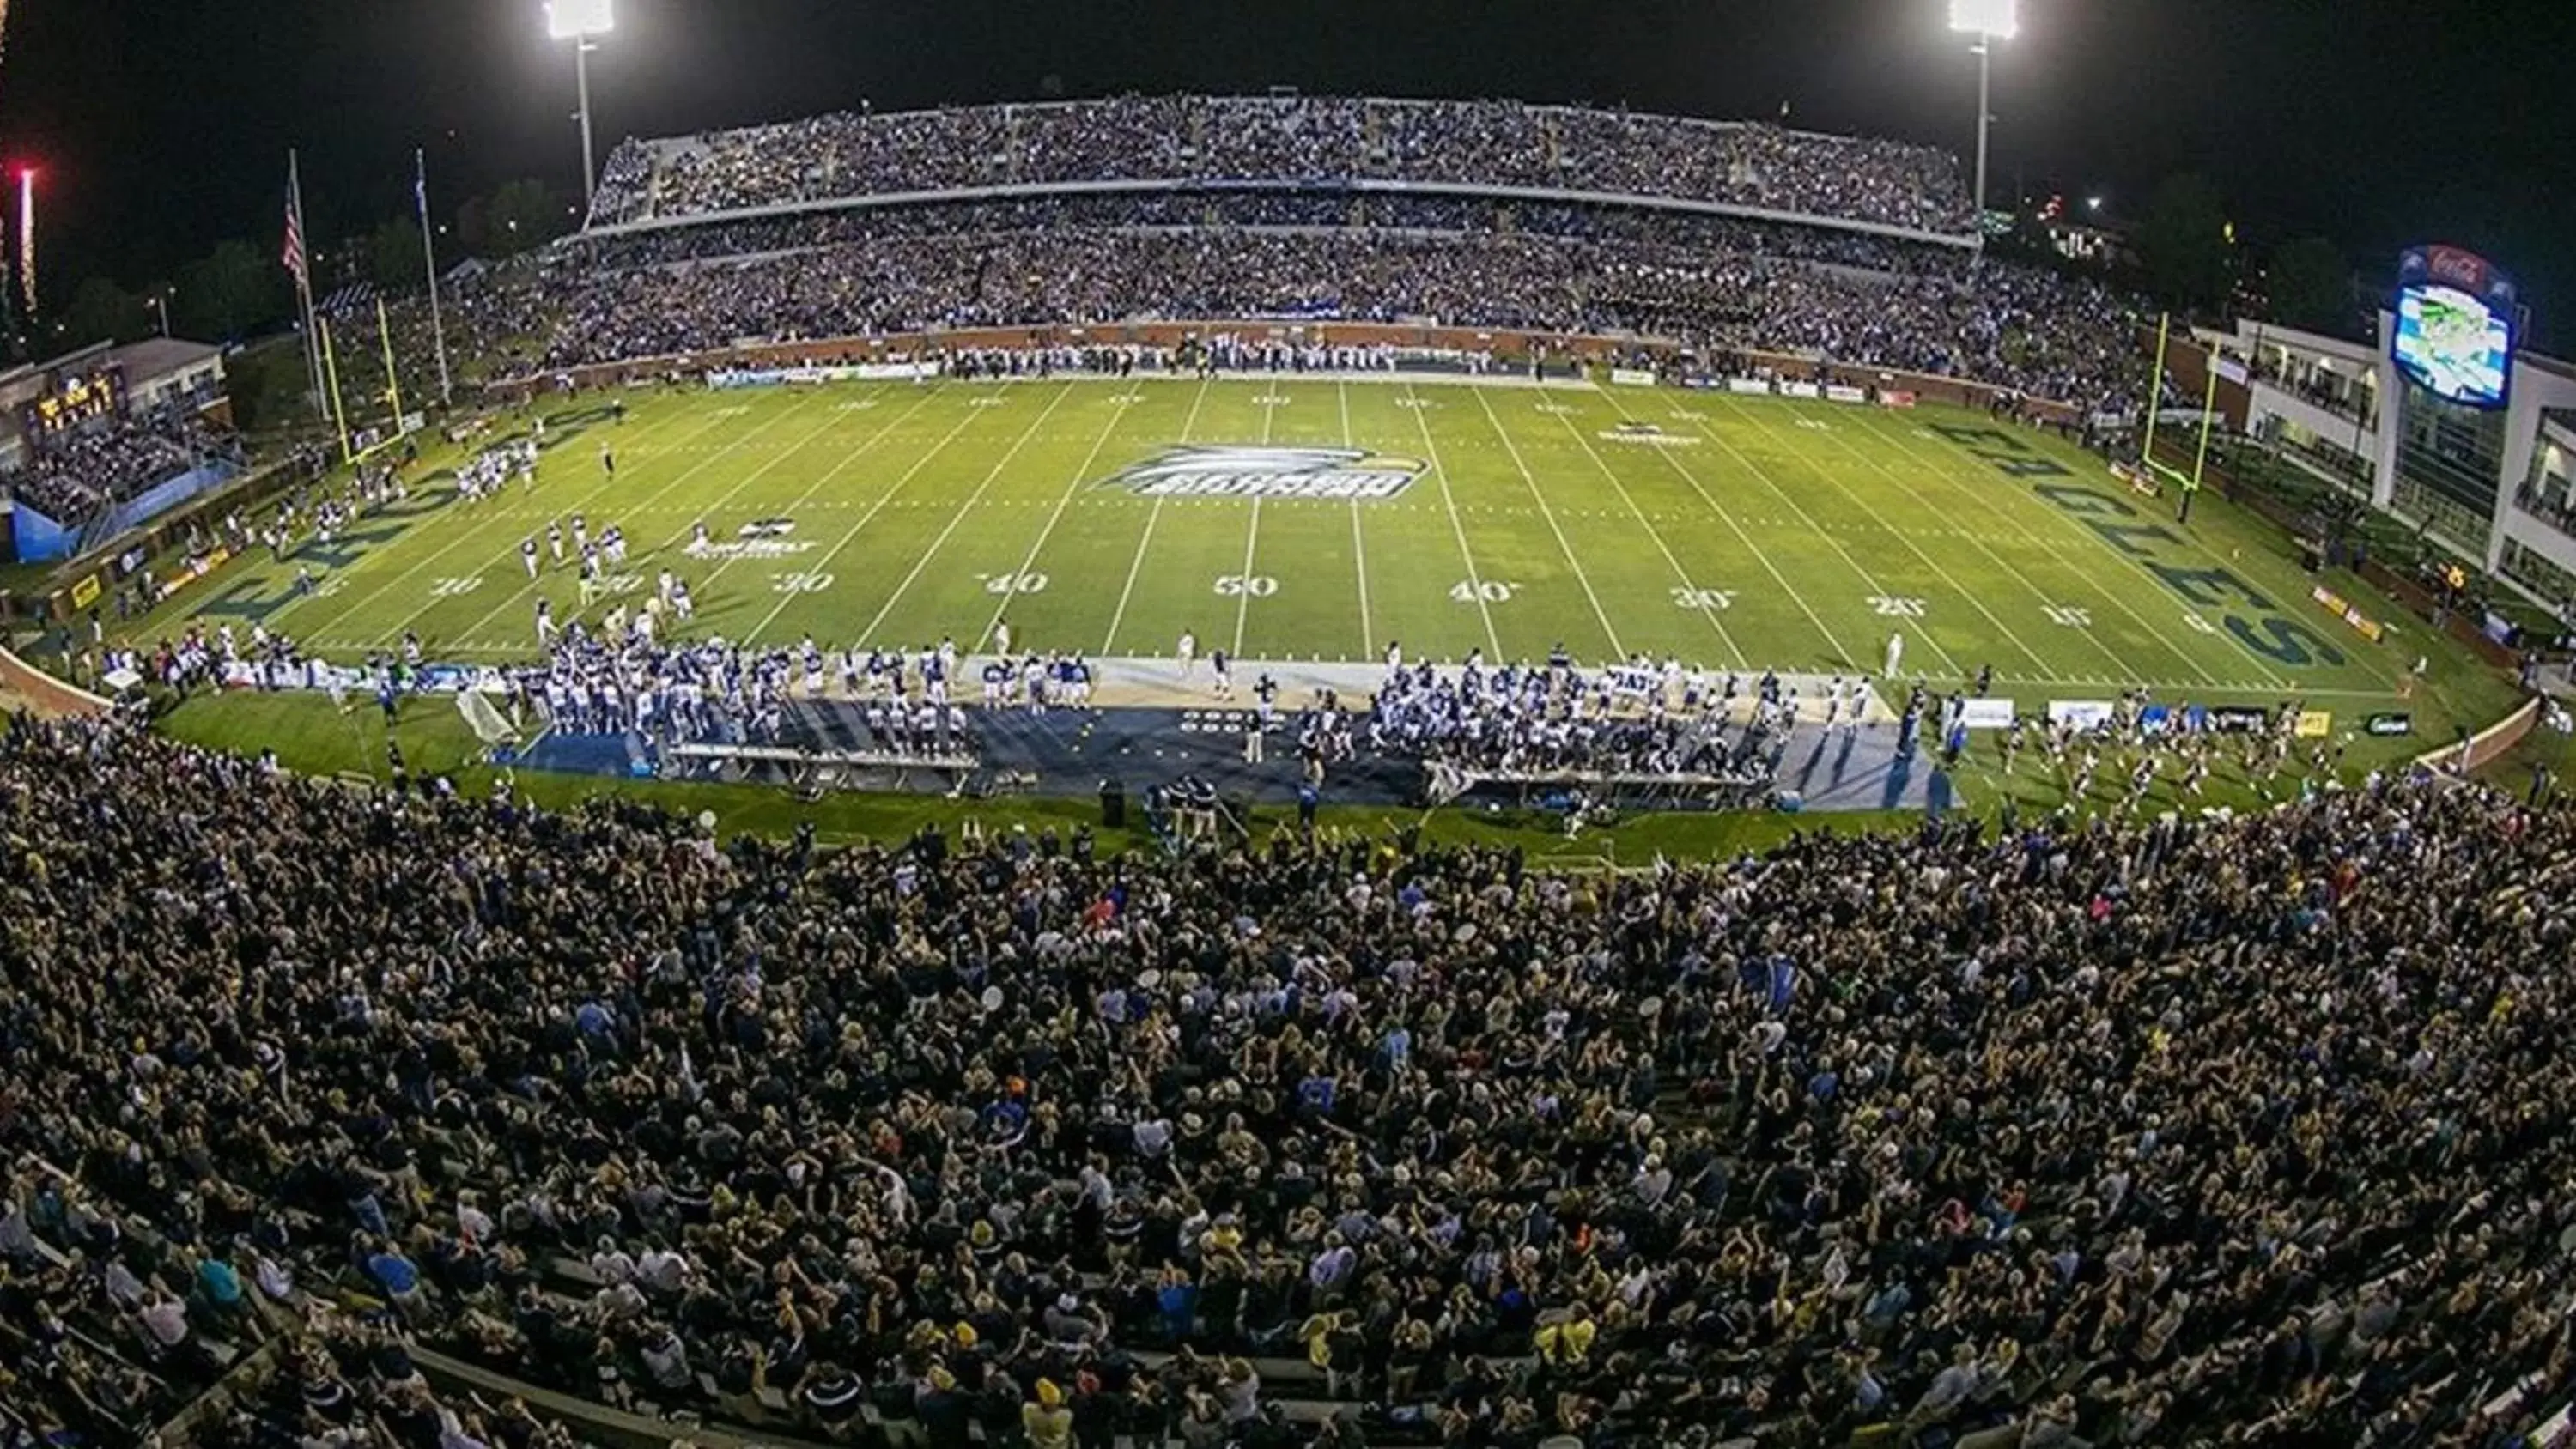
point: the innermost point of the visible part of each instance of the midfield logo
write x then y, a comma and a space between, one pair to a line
1219, 471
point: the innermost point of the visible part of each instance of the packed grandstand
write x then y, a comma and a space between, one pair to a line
2227, 1130
1723, 238
2244, 1131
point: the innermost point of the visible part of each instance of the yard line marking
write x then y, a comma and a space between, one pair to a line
965, 416
351, 606
1475, 583
1941, 469
591, 494
1950, 469
1080, 475
1251, 542
1136, 565
1680, 573
805, 499
1808, 522
954, 519
740, 484
1359, 546
1929, 562
1764, 555
1616, 648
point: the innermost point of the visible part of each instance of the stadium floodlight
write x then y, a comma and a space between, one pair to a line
1989, 21
1996, 18
580, 19
582, 22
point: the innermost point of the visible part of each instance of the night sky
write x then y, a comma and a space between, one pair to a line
162, 125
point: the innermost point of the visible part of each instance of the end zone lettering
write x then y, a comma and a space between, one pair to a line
2260, 626
1223, 471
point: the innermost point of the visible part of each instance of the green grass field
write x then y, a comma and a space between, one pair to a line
1746, 534
1749, 534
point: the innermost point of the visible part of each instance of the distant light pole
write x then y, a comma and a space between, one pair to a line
582, 22
1989, 21
161, 309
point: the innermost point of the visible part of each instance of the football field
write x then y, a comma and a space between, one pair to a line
1301, 517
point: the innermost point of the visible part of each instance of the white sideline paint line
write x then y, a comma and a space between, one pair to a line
946, 533
1136, 565
1475, 581
1028, 562
967, 416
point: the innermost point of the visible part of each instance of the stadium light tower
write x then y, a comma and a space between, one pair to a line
1989, 21
582, 22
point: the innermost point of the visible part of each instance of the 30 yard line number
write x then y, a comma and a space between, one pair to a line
449, 588
1702, 600
800, 583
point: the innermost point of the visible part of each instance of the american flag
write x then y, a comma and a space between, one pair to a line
293, 254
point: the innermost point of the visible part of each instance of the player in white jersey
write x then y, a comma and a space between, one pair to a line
1895, 653
1002, 638
1394, 655
528, 555
1188, 649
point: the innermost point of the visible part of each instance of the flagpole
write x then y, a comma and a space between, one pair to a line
393, 379
304, 286
331, 366
429, 261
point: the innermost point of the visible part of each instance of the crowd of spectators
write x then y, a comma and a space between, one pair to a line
72, 474
1287, 139
2217, 1130
1717, 285
1533, 722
